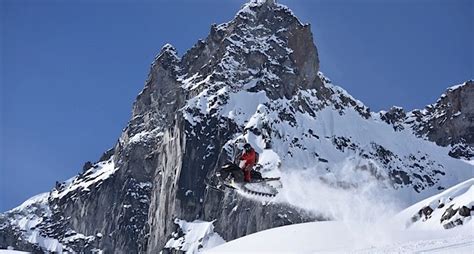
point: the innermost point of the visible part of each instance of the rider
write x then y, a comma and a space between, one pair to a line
247, 160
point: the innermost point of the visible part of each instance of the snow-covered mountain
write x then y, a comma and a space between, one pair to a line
254, 79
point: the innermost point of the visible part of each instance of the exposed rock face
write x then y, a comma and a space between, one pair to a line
448, 122
451, 119
395, 116
263, 40
183, 125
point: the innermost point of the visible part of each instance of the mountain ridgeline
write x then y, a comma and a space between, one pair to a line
255, 78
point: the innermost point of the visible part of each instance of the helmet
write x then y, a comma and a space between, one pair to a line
247, 147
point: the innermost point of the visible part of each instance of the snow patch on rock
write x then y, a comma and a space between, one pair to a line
194, 237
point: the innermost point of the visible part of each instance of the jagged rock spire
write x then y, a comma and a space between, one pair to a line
265, 43
167, 58
168, 48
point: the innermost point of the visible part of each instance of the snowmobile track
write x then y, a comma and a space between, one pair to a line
258, 193
242, 187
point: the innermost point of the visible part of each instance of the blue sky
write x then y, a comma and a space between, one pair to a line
70, 70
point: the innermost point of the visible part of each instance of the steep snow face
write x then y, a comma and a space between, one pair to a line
451, 208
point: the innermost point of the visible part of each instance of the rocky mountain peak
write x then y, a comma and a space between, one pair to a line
168, 48
160, 98
261, 8
264, 44
167, 58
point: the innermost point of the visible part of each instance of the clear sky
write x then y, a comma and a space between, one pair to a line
70, 70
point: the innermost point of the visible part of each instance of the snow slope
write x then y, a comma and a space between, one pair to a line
400, 234
341, 237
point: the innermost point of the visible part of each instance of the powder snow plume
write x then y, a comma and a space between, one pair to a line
347, 194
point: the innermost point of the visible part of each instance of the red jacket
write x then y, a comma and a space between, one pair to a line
249, 158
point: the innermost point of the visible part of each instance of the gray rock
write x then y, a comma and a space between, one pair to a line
449, 121
464, 211
451, 118
87, 166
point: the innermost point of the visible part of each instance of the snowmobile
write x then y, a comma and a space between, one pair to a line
231, 176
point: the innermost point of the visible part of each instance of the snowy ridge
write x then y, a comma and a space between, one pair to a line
455, 87
33, 220
91, 178
40, 199
36, 219
27, 217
